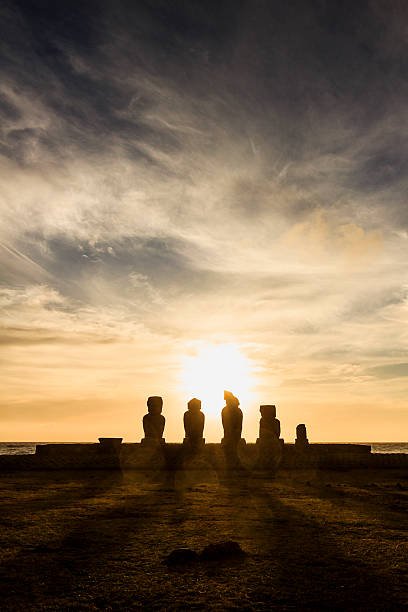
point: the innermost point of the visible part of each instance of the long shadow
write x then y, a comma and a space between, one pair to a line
111, 558
78, 484
310, 568
379, 504
31, 531
54, 571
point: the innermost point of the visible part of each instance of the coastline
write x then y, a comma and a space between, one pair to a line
28, 447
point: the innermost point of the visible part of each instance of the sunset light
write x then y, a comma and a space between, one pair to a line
180, 181
214, 368
204, 305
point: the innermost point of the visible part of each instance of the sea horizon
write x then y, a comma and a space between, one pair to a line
28, 447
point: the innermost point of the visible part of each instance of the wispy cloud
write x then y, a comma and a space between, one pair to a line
162, 180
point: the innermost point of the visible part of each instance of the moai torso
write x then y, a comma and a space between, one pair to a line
154, 421
194, 421
269, 425
269, 441
153, 426
231, 416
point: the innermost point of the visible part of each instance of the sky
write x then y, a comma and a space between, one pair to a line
198, 195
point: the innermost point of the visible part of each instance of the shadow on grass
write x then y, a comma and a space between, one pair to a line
310, 566
110, 558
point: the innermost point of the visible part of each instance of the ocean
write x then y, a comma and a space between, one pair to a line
28, 448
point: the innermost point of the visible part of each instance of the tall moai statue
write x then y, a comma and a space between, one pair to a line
154, 421
301, 441
270, 443
194, 423
231, 416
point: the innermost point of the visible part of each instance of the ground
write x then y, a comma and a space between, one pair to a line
96, 540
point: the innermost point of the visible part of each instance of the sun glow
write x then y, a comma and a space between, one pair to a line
211, 370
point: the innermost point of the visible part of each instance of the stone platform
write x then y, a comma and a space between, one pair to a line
174, 456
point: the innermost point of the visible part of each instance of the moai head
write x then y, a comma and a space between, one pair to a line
194, 405
155, 404
230, 399
268, 411
301, 431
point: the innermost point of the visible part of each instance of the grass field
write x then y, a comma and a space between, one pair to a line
96, 540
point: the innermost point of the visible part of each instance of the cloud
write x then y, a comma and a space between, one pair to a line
163, 180
391, 370
38, 313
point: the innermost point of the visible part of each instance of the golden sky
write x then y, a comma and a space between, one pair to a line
214, 188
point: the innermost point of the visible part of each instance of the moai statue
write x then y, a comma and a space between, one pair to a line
301, 441
231, 416
194, 423
270, 443
269, 425
154, 421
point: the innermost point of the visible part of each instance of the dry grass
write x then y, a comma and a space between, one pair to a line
95, 540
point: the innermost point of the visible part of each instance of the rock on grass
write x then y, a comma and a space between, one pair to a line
181, 556
213, 552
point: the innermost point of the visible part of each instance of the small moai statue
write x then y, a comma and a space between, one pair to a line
194, 423
270, 443
154, 421
301, 441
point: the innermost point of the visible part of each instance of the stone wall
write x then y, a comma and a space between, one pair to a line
207, 456
326, 456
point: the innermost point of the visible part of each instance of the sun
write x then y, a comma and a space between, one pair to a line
214, 368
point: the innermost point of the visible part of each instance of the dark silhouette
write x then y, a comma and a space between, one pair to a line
231, 419
154, 421
301, 436
269, 442
181, 556
220, 551
269, 425
231, 416
194, 422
